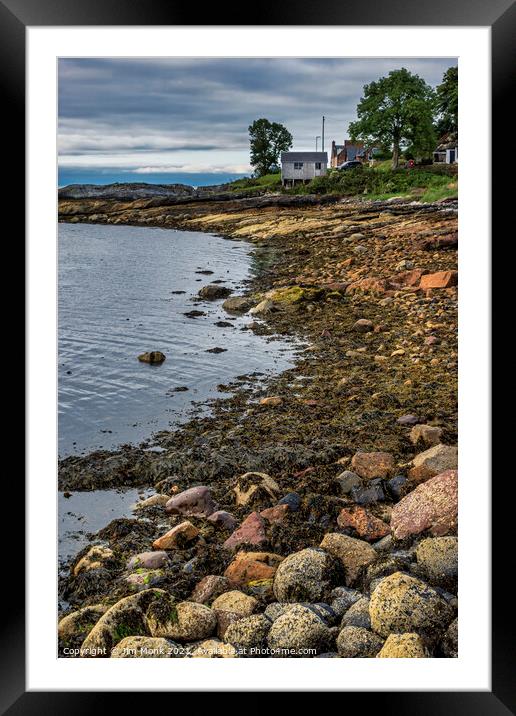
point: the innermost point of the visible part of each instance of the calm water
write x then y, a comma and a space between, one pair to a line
117, 299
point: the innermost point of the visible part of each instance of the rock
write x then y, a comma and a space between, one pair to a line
354, 554
223, 520
214, 649
409, 278
369, 494
237, 304
439, 559
249, 633
355, 642
432, 506
426, 434
194, 314
73, 627
358, 615
293, 500
408, 419
251, 531
209, 588
401, 604
250, 567
235, 602
375, 286
404, 265
450, 641
365, 524
125, 618
403, 646
439, 279
273, 401
306, 576
144, 647
369, 465
186, 621
433, 461
178, 537
152, 501
347, 481
263, 308
216, 349
212, 291
363, 325
297, 631
255, 489
398, 486
194, 502
95, 558
152, 357
275, 515
342, 598
144, 578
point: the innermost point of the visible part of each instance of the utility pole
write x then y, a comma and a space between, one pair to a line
316, 140
322, 149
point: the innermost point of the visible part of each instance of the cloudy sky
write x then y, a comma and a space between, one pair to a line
171, 119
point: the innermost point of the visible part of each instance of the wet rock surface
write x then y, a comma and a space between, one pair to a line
337, 497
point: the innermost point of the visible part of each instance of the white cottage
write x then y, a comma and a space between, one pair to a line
302, 166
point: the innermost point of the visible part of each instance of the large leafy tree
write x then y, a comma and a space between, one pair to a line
267, 140
396, 111
447, 101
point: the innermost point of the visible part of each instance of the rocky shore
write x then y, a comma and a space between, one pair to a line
314, 514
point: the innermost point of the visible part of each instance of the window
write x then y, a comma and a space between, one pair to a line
318, 165
298, 165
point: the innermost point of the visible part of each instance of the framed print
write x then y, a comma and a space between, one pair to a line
258, 292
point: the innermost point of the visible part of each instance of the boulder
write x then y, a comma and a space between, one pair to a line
144, 647
297, 631
433, 461
354, 554
213, 291
255, 489
308, 575
369, 465
73, 627
354, 642
429, 435
186, 621
347, 481
249, 567
432, 506
209, 588
363, 522
439, 279
402, 604
148, 560
439, 560
178, 537
235, 602
263, 308
403, 646
249, 633
237, 304
194, 502
152, 357
214, 649
275, 515
450, 641
223, 520
358, 614
251, 531
95, 558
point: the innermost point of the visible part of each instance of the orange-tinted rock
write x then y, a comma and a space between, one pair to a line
365, 524
273, 401
276, 514
369, 465
252, 567
409, 278
369, 285
440, 279
251, 531
177, 537
432, 506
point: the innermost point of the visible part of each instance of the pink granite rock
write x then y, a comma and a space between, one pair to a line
432, 506
251, 531
196, 502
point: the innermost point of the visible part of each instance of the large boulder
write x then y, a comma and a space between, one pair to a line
248, 567
369, 465
209, 588
432, 506
306, 576
213, 291
74, 627
401, 604
354, 554
237, 304
249, 633
251, 532
438, 558
433, 461
298, 632
403, 646
186, 621
145, 647
255, 489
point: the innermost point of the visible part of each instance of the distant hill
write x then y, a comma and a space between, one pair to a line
124, 191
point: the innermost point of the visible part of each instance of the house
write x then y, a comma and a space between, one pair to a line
350, 151
302, 167
447, 151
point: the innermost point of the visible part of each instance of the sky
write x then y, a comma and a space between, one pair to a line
186, 119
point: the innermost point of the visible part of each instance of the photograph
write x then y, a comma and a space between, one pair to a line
257, 356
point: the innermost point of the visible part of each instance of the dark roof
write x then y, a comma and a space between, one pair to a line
304, 156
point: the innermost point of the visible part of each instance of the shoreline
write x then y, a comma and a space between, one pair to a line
357, 387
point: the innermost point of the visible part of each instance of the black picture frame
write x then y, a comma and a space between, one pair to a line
500, 16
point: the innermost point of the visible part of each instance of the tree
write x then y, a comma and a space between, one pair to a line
447, 102
267, 140
396, 110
